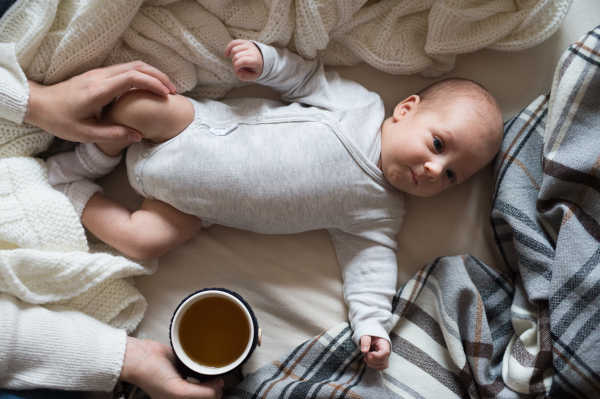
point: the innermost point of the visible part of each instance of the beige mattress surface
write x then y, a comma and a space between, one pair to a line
293, 282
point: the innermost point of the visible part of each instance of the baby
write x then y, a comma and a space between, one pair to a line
325, 160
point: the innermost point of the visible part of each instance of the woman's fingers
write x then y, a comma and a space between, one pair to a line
120, 84
72, 109
118, 69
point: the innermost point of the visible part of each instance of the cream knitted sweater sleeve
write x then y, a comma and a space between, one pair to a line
57, 347
28, 24
14, 89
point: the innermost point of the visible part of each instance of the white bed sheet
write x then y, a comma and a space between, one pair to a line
293, 282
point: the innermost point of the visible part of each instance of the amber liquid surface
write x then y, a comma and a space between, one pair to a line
214, 332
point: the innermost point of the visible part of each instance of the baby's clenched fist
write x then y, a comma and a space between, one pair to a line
246, 59
376, 350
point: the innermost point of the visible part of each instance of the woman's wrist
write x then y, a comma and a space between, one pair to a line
35, 105
134, 355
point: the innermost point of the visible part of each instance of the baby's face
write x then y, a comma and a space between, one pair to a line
424, 153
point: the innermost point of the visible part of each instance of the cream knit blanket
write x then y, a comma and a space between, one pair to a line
45, 257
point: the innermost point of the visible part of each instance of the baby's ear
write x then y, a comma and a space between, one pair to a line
406, 106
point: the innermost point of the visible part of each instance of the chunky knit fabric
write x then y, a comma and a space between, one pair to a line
45, 260
83, 353
50, 259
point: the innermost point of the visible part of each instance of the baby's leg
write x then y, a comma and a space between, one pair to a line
153, 230
157, 227
157, 118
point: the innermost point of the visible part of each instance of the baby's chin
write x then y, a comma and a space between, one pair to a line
404, 186
423, 192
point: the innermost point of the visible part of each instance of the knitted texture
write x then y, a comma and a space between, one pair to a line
49, 260
29, 222
14, 92
84, 353
79, 193
21, 140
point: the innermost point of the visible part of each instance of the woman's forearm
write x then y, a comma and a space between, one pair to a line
37, 99
56, 347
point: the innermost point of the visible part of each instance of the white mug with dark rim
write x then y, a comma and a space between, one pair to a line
199, 370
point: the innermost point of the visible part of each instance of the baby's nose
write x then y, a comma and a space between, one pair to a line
433, 170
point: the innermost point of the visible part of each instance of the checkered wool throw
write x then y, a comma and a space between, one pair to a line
465, 330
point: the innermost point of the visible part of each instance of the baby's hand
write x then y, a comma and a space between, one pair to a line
376, 350
246, 58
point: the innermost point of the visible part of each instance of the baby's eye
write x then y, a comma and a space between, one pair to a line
450, 175
437, 144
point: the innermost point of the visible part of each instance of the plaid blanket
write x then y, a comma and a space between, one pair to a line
463, 329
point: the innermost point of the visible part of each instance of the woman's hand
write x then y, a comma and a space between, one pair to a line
150, 365
71, 109
246, 58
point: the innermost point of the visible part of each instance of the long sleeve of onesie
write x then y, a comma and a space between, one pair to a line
369, 270
367, 251
57, 347
305, 81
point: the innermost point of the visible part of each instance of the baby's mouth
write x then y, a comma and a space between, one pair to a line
414, 177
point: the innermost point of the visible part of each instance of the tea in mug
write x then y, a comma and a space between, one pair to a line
214, 332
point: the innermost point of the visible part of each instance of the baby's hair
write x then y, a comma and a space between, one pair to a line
440, 95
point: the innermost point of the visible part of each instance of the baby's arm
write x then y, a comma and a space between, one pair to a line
369, 270
297, 79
